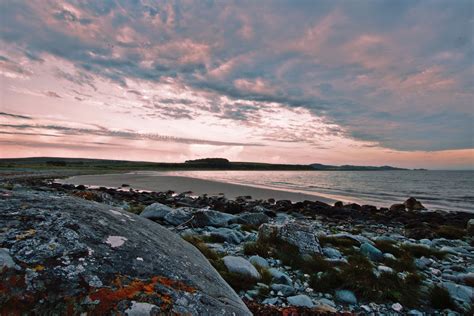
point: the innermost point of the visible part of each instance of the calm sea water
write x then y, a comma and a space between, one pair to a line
444, 190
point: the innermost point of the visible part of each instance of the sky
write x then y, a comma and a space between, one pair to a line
333, 82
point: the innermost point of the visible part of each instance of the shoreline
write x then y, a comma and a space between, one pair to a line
179, 184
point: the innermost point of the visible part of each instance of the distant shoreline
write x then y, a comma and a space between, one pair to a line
181, 184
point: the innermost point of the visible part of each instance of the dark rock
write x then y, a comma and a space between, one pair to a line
339, 204
369, 208
297, 234
397, 207
353, 206
413, 205
76, 256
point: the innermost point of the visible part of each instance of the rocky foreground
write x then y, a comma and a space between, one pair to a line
68, 249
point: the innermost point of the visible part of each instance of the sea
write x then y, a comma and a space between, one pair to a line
437, 190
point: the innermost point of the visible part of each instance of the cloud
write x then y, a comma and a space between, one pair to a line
132, 135
16, 116
397, 73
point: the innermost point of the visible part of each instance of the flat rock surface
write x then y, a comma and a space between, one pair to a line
76, 256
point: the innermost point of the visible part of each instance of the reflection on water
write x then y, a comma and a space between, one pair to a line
445, 190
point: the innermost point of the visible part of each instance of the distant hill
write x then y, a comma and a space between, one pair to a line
197, 164
317, 166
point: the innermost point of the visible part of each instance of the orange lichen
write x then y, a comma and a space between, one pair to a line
124, 289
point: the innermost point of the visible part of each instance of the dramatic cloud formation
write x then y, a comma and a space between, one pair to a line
306, 81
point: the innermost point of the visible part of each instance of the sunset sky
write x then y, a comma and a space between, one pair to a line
333, 82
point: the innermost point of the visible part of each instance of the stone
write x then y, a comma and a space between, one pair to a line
60, 250
462, 293
359, 238
202, 218
280, 277
259, 261
332, 253
423, 263
140, 309
178, 216
338, 204
415, 312
254, 219
241, 266
389, 256
300, 300
397, 307
6, 261
413, 205
371, 252
296, 234
228, 235
270, 301
156, 211
470, 227
346, 297
286, 290
385, 269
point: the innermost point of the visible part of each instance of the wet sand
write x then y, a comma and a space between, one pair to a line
183, 184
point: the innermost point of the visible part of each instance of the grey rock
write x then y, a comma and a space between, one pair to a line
300, 300
280, 277
297, 234
359, 238
255, 219
202, 218
228, 235
6, 261
285, 289
156, 211
259, 261
67, 239
178, 216
423, 263
332, 253
241, 266
346, 296
415, 312
270, 301
413, 205
141, 309
327, 301
462, 293
371, 252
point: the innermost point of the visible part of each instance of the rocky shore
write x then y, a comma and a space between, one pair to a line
280, 258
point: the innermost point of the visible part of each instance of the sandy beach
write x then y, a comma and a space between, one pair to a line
183, 184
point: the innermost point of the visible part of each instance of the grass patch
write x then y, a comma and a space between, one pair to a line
403, 263
256, 248
197, 242
440, 298
136, 208
388, 246
450, 232
338, 242
359, 277
419, 251
249, 227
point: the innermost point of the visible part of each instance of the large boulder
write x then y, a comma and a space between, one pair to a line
413, 205
254, 219
74, 256
178, 216
297, 234
241, 266
202, 218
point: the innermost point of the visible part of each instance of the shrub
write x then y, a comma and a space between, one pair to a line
256, 248
388, 246
202, 247
136, 208
440, 298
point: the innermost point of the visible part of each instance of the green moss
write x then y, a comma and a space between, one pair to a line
256, 248
440, 298
136, 208
450, 232
388, 246
419, 251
